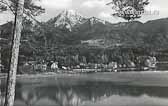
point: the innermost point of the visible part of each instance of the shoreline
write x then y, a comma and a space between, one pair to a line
148, 78
3, 75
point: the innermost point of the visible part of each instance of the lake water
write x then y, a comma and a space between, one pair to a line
71, 92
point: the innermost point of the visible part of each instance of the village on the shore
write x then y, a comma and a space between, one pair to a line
144, 63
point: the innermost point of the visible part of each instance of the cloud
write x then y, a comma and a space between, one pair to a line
94, 3
152, 7
105, 15
56, 4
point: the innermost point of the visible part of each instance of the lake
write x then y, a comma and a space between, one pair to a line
78, 92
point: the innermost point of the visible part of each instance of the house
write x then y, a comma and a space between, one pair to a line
54, 66
113, 66
151, 62
40, 67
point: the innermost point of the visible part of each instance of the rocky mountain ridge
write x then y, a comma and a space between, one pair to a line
70, 27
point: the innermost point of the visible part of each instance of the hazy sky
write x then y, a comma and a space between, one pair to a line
89, 8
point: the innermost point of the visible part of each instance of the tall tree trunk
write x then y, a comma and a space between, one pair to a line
11, 80
0, 60
1, 32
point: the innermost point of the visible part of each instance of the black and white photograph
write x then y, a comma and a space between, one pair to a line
83, 53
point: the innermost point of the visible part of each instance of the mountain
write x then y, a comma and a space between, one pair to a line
70, 33
152, 34
94, 20
71, 28
71, 20
67, 19
5, 30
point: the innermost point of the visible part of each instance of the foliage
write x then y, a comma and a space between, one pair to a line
46, 42
30, 7
128, 9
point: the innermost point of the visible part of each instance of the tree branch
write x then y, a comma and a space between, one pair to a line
5, 3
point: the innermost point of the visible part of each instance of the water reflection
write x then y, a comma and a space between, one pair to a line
82, 93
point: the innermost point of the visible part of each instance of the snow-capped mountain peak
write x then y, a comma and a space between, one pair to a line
68, 19
70, 13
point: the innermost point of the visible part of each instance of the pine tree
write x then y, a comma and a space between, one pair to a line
18, 8
11, 80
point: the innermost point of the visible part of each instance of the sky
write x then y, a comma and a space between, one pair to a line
90, 8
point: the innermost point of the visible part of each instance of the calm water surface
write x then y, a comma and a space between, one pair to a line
69, 92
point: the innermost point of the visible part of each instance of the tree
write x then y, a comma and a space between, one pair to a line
18, 8
11, 80
30, 7
128, 9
